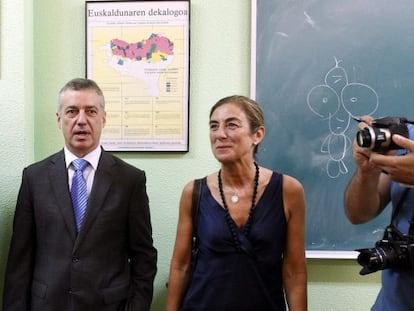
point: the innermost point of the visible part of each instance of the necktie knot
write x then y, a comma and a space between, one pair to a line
80, 164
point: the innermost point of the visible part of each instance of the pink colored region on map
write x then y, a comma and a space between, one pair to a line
143, 49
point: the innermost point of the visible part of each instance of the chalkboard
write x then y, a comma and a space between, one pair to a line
314, 65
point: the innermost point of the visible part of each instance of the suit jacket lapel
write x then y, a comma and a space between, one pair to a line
58, 175
100, 189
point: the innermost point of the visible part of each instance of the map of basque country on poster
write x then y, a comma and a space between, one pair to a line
139, 57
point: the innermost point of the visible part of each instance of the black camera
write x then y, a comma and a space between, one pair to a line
378, 136
395, 250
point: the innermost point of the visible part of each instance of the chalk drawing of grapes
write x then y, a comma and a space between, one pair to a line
337, 101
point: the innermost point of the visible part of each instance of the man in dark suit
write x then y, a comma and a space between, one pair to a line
109, 262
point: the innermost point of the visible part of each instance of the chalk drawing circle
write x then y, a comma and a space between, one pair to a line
333, 169
337, 79
339, 123
323, 101
359, 99
337, 147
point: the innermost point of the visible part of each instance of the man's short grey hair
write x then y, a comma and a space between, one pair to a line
78, 84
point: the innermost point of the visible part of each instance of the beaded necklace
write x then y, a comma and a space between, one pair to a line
229, 220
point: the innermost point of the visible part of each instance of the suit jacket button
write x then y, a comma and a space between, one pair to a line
75, 259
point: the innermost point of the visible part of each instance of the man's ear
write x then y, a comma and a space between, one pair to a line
58, 120
104, 119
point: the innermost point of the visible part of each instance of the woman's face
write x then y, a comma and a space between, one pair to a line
231, 138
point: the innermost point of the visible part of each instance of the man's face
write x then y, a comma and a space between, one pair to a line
81, 119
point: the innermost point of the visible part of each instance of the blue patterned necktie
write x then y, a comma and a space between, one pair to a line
79, 191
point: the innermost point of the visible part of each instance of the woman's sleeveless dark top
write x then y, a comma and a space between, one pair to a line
244, 275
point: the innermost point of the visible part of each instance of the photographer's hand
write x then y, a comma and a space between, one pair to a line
367, 192
399, 168
362, 155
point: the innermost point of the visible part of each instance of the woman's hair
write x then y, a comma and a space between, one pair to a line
250, 107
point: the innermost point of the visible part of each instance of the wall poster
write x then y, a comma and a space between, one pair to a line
138, 52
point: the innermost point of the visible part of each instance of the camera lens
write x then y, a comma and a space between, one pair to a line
374, 259
364, 138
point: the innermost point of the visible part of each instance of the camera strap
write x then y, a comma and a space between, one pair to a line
398, 208
400, 203
411, 228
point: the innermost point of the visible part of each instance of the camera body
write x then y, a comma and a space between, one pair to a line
395, 250
378, 136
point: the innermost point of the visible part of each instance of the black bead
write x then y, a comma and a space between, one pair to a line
229, 220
